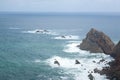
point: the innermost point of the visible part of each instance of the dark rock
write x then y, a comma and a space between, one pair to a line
102, 60
77, 62
63, 36
94, 61
46, 31
113, 72
96, 70
116, 50
97, 42
56, 62
91, 77
37, 31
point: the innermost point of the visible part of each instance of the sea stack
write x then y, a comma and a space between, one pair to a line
97, 42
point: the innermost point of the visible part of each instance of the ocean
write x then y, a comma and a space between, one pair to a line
30, 43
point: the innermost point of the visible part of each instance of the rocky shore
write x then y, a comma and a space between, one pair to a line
98, 42
113, 72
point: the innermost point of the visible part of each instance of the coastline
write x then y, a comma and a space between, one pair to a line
98, 42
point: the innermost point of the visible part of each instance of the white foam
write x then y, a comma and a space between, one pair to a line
70, 63
85, 77
80, 71
40, 31
64, 62
67, 37
71, 47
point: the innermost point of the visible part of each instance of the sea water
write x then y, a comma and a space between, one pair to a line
26, 54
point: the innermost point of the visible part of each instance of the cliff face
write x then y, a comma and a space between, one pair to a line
114, 70
116, 50
97, 42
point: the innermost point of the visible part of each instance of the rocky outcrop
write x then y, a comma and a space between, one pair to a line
116, 50
97, 42
113, 72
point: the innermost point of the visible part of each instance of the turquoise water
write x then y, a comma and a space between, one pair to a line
27, 55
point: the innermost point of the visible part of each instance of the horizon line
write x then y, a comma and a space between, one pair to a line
62, 13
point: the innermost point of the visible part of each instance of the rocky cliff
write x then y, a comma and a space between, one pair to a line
97, 42
113, 72
116, 50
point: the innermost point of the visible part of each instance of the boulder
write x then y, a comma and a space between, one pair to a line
97, 42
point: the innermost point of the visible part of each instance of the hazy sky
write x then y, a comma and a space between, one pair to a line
60, 5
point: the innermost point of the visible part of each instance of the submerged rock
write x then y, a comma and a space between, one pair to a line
97, 42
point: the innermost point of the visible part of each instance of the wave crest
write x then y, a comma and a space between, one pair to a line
40, 31
67, 37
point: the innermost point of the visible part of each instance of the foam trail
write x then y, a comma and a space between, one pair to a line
40, 31
67, 37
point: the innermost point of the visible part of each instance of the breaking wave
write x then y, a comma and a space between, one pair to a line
40, 31
79, 71
89, 61
71, 47
67, 37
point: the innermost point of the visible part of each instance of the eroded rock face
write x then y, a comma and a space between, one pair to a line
114, 70
97, 42
116, 50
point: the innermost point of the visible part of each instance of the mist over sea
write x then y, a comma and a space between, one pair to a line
26, 54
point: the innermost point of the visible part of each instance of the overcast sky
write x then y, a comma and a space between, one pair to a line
60, 5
